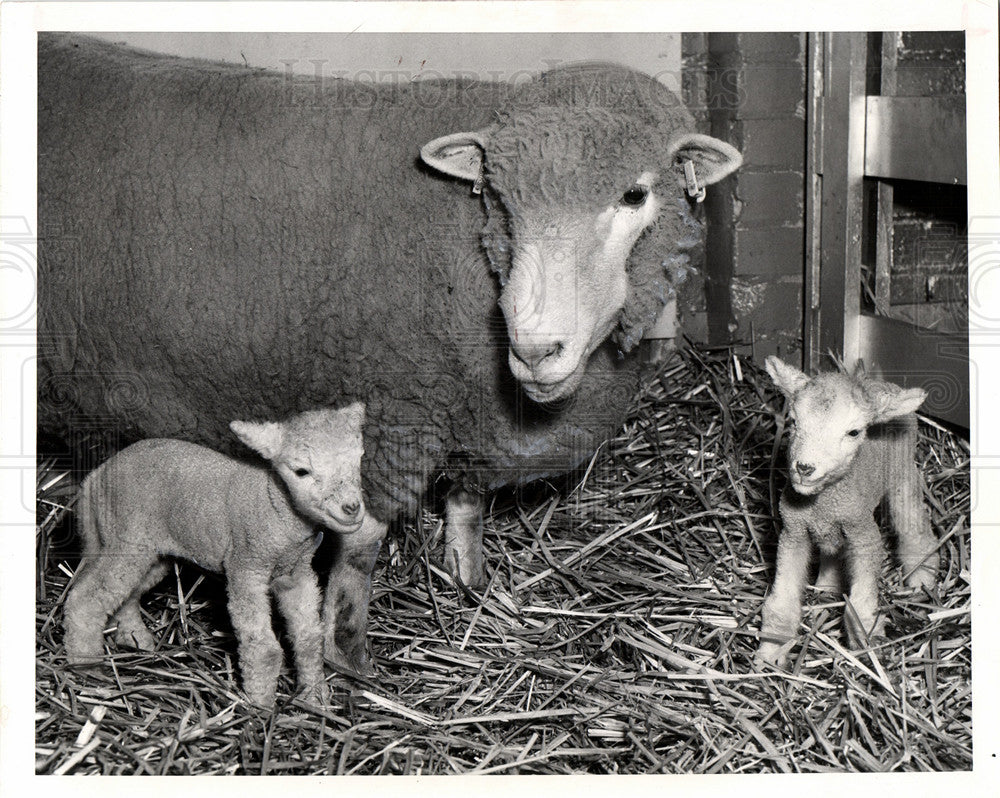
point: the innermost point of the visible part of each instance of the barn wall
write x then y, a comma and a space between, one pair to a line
391, 56
750, 89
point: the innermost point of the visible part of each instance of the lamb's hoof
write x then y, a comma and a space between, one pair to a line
466, 568
138, 639
261, 699
85, 662
864, 635
356, 665
316, 694
84, 656
773, 653
923, 577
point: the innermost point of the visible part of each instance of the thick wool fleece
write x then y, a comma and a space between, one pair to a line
219, 243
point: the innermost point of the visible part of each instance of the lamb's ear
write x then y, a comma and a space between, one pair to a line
713, 159
890, 401
859, 371
788, 378
356, 413
458, 154
266, 439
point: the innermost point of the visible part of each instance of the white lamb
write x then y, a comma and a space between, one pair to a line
167, 498
853, 443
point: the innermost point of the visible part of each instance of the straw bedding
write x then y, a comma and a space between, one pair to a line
615, 634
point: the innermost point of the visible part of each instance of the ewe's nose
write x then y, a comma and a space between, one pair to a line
534, 353
804, 469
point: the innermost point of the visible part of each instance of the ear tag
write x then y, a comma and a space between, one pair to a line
317, 541
693, 189
477, 186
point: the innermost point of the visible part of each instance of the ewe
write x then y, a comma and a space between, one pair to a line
852, 444
166, 498
221, 242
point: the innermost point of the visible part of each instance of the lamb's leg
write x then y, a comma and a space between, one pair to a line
299, 601
865, 553
132, 631
104, 583
259, 651
463, 537
348, 592
917, 545
782, 611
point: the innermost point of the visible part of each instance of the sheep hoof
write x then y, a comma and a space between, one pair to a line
466, 567
776, 654
261, 698
139, 639
923, 577
352, 666
84, 655
863, 635
81, 661
316, 694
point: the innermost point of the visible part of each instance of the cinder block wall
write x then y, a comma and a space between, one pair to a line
750, 89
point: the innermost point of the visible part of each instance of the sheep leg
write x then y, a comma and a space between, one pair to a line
348, 592
299, 602
865, 553
258, 648
782, 611
132, 631
103, 585
917, 545
463, 537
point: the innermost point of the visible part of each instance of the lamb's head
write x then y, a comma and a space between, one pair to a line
830, 417
318, 456
577, 176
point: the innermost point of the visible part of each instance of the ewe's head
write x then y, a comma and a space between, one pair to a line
318, 455
578, 174
830, 416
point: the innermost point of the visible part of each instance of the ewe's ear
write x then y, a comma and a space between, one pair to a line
788, 378
890, 401
859, 371
459, 155
265, 439
713, 159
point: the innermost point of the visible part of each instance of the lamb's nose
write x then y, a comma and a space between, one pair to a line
804, 468
532, 354
350, 508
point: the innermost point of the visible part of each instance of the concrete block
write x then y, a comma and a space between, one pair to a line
770, 252
775, 143
770, 199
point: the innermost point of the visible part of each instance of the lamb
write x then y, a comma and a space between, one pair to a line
853, 443
220, 242
166, 498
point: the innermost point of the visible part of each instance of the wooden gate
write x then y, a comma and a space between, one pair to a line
869, 149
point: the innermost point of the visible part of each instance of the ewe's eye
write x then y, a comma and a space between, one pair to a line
635, 196
301, 472
853, 432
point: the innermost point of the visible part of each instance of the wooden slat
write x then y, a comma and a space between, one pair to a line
917, 358
916, 138
841, 199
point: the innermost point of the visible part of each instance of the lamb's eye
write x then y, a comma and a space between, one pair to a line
301, 472
635, 196
853, 432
